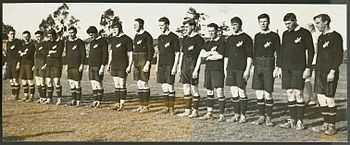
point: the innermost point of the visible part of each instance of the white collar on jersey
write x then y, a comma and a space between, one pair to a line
192, 34
99, 37
76, 38
216, 39
166, 33
30, 40
328, 31
297, 28
140, 32
120, 34
265, 32
237, 33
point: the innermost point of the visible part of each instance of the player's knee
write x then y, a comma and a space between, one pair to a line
267, 95
259, 94
210, 92
298, 95
330, 102
241, 93
234, 91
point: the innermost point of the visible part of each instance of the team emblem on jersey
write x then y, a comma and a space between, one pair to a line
74, 47
167, 44
54, 47
296, 41
239, 44
267, 44
214, 48
191, 47
325, 44
12, 47
139, 42
40, 47
118, 45
96, 45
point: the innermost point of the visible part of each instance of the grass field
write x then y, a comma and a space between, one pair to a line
37, 122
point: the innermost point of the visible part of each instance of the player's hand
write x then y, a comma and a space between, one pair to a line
179, 70
246, 75
195, 75
87, 68
307, 73
173, 71
100, 72
145, 68
81, 68
43, 67
330, 76
128, 69
33, 68
109, 68
18, 66
276, 73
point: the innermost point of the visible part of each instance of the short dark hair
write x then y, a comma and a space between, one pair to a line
91, 29
73, 28
26, 32
213, 25
264, 16
118, 25
324, 17
290, 17
236, 20
52, 31
165, 20
140, 21
11, 29
39, 32
189, 22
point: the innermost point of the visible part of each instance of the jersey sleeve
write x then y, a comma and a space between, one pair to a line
129, 44
277, 46
104, 51
337, 52
249, 46
309, 44
82, 52
150, 49
176, 44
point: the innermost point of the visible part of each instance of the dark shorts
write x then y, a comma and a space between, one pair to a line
38, 72
263, 74
235, 78
12, 72
186, 74
94, 73
214, 79
139, 62
164, 74
324, 87
119, 73
53, 71
26, 72
74, 74
293, 79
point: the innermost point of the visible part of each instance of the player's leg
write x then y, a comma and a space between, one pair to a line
243, 102
236, 104
58, 90
187, 100
25, 89
123, 92
222, 102
331, 106
72, 91
50, 90
31, 90
209, 105
172, 96
116, 93
261, 107
38, 83
269, 102
287, 85
165, 95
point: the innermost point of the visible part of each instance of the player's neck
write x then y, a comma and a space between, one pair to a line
237, 32
265, 31
140, 32
192, 34
327, 30
167, 32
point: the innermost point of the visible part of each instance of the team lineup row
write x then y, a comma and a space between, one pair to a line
228, 62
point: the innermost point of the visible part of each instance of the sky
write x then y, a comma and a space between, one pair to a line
27, 16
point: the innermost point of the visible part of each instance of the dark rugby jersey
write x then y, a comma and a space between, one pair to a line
238, 48
98, 52
218, 46
12, 50
75, 52
55, 58
41, 51
329, 51
191, 48
266, 44
144, 43
28, 50
120, 47
168, 45
294, 44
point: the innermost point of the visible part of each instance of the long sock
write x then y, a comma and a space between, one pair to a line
222, 102
32, 90
171, 99
40, 91
94, 94
188, 101
49, 92
292, 109
236, 106
269, 107
332, 114
59, 91
44, 91
117, 95
308, 91
243, 105
140, 96
195, 102
324, 112
100, 94
261, 107
18, 88
78, 93
210, 101
25, 90
300, 110
147, 96
13, 90
123, 93
166, 97
73, 92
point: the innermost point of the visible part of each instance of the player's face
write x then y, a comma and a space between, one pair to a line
212, 32
38, 37
264, 24
235, 27
72, 34
11, 35
163, 27
137, 27
188, 29
320, 25
115, 30
50, 37
93, 35
26, 37
290, 25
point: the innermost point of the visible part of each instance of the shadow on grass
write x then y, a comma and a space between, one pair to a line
23, 137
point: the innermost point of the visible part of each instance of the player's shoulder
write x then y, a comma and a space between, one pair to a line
173, 35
